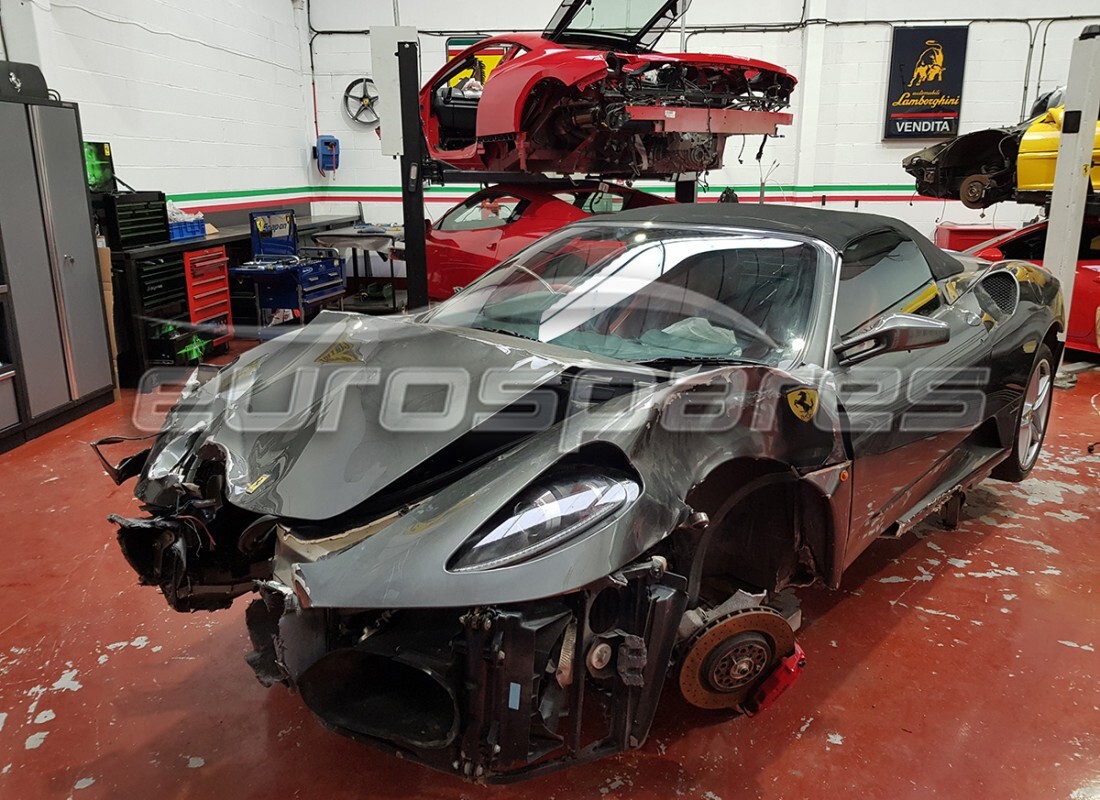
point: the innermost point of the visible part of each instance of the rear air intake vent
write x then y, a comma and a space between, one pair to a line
1002, 290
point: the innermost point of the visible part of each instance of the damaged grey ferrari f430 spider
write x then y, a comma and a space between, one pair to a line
488, 536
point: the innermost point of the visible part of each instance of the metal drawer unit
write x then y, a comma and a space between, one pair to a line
285, 276
162, 282
133, 219
207, 274
306, 284
153, 316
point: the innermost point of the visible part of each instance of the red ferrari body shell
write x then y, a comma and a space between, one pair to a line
458, 257
502, 104
1026, 244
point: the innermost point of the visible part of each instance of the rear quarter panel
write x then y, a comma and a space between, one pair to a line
1016, 340
501, 108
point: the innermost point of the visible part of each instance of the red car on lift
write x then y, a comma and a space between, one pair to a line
1029, 244
491, 225
590, 97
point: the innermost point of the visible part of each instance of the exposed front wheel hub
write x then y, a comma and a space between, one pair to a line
738, 661
728, 658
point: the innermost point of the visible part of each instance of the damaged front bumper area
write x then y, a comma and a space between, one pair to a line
490, 693
201, 551
168, 551
500, 693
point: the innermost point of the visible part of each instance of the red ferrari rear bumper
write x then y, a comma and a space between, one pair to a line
729, 121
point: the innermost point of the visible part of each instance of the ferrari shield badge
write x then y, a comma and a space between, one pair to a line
803, 403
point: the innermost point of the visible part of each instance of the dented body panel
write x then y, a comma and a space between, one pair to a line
404, 564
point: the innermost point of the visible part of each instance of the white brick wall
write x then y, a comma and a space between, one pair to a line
194, 95
215, 96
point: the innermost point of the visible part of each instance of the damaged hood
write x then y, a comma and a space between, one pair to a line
312, 424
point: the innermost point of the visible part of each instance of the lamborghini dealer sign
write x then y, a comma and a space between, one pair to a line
925, 83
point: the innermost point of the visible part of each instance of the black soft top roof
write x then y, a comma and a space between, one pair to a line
835, 228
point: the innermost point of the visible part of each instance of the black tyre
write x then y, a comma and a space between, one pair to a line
1031, 421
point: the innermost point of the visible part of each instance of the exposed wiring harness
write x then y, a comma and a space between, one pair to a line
195, 521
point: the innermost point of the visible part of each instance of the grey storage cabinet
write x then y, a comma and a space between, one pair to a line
55, 362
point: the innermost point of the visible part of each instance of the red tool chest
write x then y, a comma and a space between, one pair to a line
208, 291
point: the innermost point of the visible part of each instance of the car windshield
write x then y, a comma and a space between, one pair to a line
647, 293
642, 21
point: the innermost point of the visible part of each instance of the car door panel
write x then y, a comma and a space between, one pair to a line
466, 243
897, 404
906, 430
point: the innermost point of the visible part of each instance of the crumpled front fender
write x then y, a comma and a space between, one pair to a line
404, 564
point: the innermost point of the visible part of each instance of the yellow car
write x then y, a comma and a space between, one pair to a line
1039, 152
988, 166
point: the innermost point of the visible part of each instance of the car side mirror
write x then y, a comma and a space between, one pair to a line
891, 334
991, 254
427, 225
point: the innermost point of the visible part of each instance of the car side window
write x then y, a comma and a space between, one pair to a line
883, 272
481, 212
514, 51
1026, 248
602, 203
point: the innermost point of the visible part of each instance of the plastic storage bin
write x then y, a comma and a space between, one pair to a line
187, 230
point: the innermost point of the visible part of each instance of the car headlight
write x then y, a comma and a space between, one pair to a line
552, 510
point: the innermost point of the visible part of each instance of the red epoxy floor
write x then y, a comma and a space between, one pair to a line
952, 664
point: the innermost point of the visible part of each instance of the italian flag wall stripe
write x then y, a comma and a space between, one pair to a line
817, 194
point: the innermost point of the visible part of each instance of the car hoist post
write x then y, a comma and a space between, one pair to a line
412, 177
1072, 173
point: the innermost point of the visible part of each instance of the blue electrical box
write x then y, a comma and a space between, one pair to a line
328, 153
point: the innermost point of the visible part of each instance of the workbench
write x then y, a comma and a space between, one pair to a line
151, 291
367, 239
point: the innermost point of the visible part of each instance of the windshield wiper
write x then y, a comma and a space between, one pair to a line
505, 332
677, 360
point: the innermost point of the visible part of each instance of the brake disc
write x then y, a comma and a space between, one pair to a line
726, 660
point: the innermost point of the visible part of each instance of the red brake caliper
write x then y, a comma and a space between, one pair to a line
782, 678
